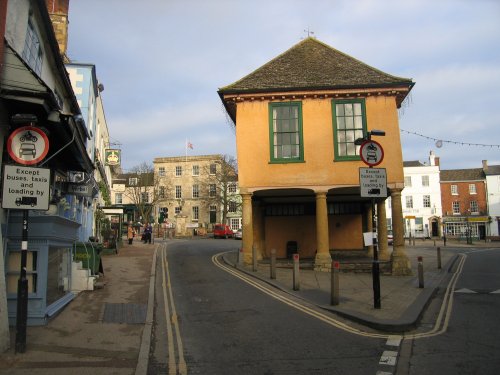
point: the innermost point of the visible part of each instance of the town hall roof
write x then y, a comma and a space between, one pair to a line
313, 65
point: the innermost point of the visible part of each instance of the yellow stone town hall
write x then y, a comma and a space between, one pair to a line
297, 118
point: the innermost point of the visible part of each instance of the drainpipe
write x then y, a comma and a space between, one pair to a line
62, 148
3, 23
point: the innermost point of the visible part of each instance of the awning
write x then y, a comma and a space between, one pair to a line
23, 92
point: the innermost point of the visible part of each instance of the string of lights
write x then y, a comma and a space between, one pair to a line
439, 142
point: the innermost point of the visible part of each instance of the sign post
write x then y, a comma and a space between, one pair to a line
24, 188
373, 183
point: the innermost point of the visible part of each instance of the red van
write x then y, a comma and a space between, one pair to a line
222, 231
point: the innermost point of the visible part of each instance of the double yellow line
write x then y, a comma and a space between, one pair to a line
171, 321
440, 326
298, 306
444, 315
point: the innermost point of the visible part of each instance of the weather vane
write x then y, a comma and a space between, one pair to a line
309, 32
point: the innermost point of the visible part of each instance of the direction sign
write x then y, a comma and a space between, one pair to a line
26, 188
28, 145
371, 153
373, 182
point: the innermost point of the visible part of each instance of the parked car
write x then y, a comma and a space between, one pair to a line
222, 231
238, 235
389, 238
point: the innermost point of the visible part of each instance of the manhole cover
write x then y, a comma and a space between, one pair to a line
128, 313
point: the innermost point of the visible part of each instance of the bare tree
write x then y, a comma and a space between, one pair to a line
219, 177
143, 189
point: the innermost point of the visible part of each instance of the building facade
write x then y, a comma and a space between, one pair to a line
202, 189
297, 119
421, 199
87, 90
34, 82
492, 173
465, 210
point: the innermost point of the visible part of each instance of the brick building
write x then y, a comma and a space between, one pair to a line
463, 200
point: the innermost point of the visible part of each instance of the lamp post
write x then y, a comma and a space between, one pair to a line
375, 263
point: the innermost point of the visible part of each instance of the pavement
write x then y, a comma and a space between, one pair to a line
108, 330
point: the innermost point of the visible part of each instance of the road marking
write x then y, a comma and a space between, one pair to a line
393, 341
443, 318
495, 291
388, 358
171, 320
464, 290
439, 328
299, 306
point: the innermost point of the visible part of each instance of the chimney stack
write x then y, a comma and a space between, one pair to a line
485, 165
58, 12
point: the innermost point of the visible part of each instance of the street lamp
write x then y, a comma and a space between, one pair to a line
375, 264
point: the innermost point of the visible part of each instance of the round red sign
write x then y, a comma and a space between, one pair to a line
28, 145
371, 153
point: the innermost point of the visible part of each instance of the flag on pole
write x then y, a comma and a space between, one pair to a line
190, 145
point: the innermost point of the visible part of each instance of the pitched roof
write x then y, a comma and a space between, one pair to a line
413, 163
457, 175
311, 64
492, 170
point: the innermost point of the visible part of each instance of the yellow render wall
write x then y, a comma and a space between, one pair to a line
318, 168
345, 234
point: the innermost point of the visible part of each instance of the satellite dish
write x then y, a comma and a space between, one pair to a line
439, 143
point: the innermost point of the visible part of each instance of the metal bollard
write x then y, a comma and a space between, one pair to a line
254, 258
296, 272
335, 283
434, 243
273, 264
420, 272
439, 257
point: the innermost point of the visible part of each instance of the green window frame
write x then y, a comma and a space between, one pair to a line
285, 132
349, 124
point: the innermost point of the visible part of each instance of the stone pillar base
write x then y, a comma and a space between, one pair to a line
248, 258
323, 262
401, 265
384, 255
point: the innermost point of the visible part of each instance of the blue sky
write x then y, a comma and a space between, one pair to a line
162, 61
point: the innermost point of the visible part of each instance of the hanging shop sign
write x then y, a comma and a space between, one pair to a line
112, 157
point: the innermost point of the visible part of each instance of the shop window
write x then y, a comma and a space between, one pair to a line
14, 269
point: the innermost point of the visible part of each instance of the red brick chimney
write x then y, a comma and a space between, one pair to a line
58, 12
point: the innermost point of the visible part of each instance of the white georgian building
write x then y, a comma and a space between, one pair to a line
492, 173
420, 199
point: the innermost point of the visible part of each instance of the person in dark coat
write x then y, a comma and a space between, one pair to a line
148, 231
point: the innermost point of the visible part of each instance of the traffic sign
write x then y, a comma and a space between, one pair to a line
371, 153
373, 182
26, 188
28, 145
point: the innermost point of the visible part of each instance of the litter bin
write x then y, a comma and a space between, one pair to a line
291, 248
90, 255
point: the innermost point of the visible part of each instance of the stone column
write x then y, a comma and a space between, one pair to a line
400, 263
369, 225
323, 259
247, 241
383, 251
258, 229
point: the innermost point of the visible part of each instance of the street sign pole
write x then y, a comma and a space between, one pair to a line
22, 291
375, 264
373, 183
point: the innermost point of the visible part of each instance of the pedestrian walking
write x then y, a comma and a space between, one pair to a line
148, 231
130, 233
